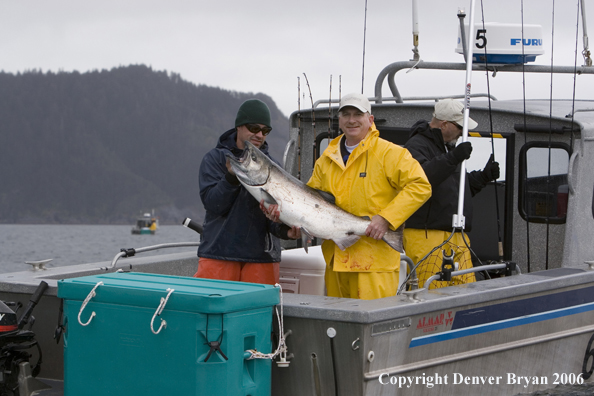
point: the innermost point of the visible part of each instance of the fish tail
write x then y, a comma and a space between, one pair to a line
347, 241
394, 239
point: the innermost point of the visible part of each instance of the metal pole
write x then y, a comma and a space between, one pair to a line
461, 16
415, 31
458, 219
586, 51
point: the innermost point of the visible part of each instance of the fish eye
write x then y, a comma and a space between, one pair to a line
254, 158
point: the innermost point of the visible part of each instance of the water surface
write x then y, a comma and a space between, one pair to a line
80, 244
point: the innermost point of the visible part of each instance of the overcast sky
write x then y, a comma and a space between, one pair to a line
265, 45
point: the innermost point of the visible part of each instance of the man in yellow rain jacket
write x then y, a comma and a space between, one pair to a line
369, 177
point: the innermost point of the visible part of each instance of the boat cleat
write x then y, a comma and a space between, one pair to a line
412, 295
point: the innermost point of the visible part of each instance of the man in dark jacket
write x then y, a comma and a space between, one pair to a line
238, 242
433, 144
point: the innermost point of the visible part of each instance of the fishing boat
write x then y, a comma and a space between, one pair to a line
147, 224
528, 326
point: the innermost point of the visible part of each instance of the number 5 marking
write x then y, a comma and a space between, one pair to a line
480, 35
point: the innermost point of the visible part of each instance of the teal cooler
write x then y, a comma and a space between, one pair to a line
118, 352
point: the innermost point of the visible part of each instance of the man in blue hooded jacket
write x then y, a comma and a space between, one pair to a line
239, 242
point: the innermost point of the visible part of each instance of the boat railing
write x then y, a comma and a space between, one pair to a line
189, 223
390, 71
480, 268
132, 251
407, 99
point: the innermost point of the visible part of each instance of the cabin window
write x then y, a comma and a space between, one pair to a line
543, 188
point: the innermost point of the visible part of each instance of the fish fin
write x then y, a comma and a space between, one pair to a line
269, 199
365, 218
347, 241
328, 197
305, 238
394, 239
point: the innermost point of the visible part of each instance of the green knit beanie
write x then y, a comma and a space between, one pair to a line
253, 111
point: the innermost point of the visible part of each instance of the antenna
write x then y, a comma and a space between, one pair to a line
415, 31
364, 34
586, 51
330, 107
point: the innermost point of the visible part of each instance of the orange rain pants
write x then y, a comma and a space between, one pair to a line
267, 273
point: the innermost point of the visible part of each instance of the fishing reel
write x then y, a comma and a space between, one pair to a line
16, 375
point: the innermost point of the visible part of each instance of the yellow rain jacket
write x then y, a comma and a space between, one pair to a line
379, 178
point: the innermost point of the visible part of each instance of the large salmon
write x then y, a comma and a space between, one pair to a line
299, 205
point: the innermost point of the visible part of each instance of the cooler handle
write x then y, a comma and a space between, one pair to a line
158, 312
84, 304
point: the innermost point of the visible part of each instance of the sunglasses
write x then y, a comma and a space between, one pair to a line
457, 126
255, 128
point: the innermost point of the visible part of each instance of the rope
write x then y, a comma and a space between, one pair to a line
84, 304
159, 310
282, 346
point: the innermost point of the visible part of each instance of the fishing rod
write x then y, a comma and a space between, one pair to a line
299, 128
525, 188
364, 34
458, 220
497, 212
330, 108
548, 180
313, 115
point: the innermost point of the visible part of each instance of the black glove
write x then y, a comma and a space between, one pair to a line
232, 179
491, 171
462, 151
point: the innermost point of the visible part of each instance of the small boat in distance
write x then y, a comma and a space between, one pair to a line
147, 224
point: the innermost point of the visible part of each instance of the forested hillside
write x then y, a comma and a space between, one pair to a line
105, 146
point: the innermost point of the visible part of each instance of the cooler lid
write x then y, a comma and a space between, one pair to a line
190, 294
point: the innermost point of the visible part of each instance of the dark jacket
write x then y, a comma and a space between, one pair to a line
235, 228
443, 171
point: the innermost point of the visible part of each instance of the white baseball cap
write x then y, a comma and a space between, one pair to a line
453, 111
356, 100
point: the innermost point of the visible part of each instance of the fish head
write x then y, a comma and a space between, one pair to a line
253, 167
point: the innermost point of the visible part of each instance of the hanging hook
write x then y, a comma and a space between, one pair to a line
84, 304
158, 312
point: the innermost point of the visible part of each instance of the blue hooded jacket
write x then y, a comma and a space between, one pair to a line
235, 229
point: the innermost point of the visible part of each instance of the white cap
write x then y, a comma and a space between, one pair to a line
356, 100
453, 111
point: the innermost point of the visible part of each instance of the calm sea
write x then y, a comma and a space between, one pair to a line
79, 244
